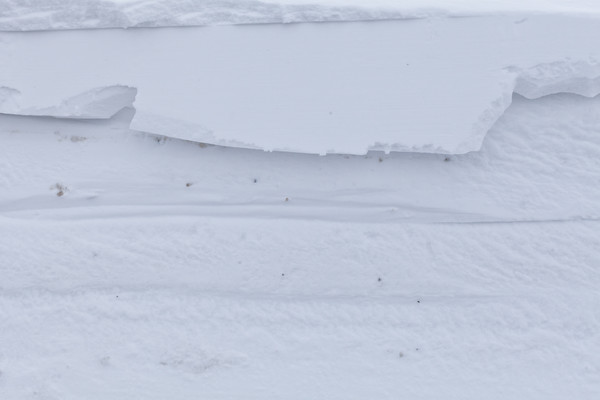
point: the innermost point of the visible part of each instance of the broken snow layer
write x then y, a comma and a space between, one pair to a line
100, 103
83, 14
431, 85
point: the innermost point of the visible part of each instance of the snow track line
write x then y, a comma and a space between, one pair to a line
404, 299
525, 221
358, 214
297, 208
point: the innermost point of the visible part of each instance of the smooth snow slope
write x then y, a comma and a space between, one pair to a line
25, 15
172, 270
421, 85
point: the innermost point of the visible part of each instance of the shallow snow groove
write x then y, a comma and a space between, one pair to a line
538, 163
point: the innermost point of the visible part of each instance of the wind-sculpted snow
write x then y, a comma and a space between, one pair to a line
138, 267
582, 78
435, 85
25, 15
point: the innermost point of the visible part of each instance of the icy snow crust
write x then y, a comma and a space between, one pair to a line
25, 15
429, 85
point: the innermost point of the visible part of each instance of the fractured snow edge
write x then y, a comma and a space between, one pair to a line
573, 77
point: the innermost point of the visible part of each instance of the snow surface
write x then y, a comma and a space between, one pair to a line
141, 265
167, 269
433, 86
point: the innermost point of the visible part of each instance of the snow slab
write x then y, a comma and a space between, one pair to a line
429, 85
25, 15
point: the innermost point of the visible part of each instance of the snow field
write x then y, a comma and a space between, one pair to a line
382, 276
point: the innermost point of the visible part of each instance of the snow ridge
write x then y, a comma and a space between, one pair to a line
32, 15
